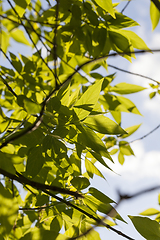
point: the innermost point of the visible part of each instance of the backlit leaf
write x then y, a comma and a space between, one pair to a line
18, 36
21, 6
154, 15
130, 130
92, 169
103, 124
106, 5
88, 100
126, 88
150, 212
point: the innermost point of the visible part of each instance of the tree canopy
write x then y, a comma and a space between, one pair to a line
60, 114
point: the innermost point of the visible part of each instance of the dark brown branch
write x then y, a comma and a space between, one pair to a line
23, 180
9, 60
132, 73
7, 85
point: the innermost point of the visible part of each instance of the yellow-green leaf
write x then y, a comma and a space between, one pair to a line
103, 124
121, 158
150, 212
31, 107
130, 130
21, 6
88, 100
135, 40
18, 36
154, 15
126, 88
91, 169
107, 6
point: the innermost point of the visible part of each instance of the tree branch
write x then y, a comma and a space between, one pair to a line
146, 135
98, 220
126, 6
55, 42
23, 180
7, 85
132, 73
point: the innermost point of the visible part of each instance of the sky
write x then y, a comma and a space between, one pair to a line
141, 171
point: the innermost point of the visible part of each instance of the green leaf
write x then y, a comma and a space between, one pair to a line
99, 195
35, 161
9, 210
126, 88
121, 21
30, 106
135, 40
21, 6
148, 228
80, 182
106, 5
119, 42
90, 138
88, 100
6, 162
16, 62
127, 105
103, 124
18, 36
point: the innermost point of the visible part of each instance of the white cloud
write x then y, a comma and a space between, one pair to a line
144, 165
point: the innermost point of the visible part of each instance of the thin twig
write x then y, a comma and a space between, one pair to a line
30, 36
132, 73
9, 60
126, 6
139, 193
7, 85
146, 135
55, 42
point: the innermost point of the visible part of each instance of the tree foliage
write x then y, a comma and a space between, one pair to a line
55, 121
